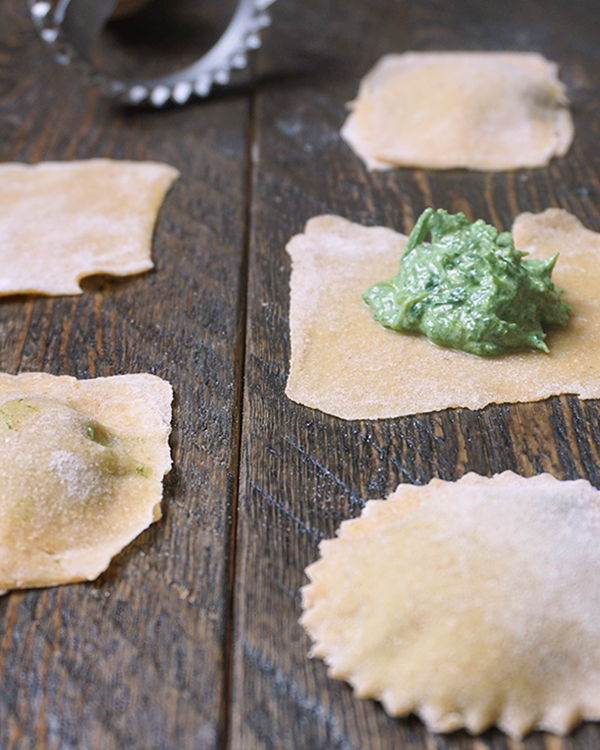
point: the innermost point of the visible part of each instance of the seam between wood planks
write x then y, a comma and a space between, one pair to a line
20, 348
236, 434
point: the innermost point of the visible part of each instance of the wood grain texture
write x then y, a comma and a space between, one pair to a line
137, 659
302, 471
191, 639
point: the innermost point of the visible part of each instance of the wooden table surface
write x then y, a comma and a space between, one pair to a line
191, 639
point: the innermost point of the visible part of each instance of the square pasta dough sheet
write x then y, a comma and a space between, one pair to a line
479, 110
346, 364
62, 221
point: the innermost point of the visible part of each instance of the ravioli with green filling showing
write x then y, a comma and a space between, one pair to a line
81, 469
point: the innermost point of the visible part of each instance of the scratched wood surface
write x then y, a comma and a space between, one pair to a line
139, 658
191, 639
303, 472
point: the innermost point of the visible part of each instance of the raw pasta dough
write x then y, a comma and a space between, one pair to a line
81, 469
440, 110
345, 364
61, 221
470, 603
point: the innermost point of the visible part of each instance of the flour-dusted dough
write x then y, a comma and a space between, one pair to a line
480, 110
61, 221
346, 364
470, 603
81, 469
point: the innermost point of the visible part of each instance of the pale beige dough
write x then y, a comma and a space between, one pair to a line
479, 110
346, 364
61, 221
81, 470
470, 603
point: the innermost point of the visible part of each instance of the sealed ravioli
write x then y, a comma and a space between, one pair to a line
346, 364
62, 221
81, 470
441, 110
470, 604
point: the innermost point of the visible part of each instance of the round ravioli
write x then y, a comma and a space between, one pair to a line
469, 603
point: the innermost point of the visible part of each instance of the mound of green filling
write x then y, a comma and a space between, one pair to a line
469, 289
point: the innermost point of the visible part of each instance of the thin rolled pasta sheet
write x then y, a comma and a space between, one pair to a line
346, 364
62, 221
442, 110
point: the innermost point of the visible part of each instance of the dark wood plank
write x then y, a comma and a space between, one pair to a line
303, 472
137, 659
